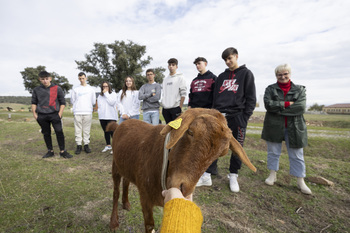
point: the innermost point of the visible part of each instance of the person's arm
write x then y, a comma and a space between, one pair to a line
298, 105
60, 112
250, 94
155, 97
142, 94
183, 91
35, 115
273, 106
180, 214
135, 110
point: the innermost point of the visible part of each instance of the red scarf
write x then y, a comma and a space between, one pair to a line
285, 88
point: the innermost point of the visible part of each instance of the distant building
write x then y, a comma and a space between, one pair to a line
337, 109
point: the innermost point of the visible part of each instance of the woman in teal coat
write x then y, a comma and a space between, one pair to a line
285, 104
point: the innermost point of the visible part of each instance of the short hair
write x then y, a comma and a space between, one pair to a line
44, 74
81, 74
283, 67
173, 61
229, 51
198, 59
150, 70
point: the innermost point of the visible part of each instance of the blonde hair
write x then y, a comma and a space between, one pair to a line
283, 67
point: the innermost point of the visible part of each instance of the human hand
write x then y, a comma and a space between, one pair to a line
35, 115
125, 116
172, 193
291, 102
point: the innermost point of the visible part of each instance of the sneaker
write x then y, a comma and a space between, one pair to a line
107, 148
66, 155
87, 149
205, 180
49, 154
78, 150
233, 182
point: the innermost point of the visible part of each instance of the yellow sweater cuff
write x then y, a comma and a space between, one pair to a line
181, 215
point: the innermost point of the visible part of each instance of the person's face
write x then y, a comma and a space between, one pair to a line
231, 62
150, 77
105, 87
46, 81
128, 83
172, 68
283, 77
82, 79
201, 66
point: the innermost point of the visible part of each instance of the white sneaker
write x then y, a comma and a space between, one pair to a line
233, 182
272, 178
205, 180
107, 148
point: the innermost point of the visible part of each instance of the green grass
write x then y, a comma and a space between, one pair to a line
75, 195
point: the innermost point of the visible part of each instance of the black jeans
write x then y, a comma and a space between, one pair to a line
171, 114
108, 135
45, 121
238, 126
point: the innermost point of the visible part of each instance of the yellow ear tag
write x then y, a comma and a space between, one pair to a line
176, 123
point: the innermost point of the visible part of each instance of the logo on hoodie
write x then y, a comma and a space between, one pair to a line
229, 85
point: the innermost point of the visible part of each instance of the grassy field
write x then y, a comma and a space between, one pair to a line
75, 195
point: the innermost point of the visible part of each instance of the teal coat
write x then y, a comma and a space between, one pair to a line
274, 123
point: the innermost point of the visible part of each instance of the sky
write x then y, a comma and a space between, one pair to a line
313, 36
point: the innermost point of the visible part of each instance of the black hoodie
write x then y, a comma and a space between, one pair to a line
201, 91
235, 92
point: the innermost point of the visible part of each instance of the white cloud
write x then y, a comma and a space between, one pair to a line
312, 36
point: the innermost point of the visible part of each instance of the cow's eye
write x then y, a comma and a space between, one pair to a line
190, 132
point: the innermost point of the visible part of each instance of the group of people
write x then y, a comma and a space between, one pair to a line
232, 93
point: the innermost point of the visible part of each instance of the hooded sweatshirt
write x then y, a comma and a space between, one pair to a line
235, 92
201, 91
48, 99
174, 87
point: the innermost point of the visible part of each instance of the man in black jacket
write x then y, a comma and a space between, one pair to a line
235, 97
48, 104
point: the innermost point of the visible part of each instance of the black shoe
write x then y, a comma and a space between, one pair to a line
87, 149
78, 150
66, 155
49, 154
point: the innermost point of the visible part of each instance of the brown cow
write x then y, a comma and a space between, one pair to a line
138, 147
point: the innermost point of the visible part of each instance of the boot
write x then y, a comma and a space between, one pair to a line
302, 186
272, 178
87, 148
78, 150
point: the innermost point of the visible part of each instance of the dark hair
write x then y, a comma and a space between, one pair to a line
198, 59
109, 88
173, 61
125, 88
229, 51
81, 74
44, 74
150, 70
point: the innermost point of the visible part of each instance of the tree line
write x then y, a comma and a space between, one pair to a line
111, 62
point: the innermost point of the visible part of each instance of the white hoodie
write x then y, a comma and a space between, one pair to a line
174, 87
83, 99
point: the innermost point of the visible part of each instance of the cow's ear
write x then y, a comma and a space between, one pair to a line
237, 149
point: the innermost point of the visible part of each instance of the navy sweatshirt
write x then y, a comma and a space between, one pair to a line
201, 91
48, 99
235, 92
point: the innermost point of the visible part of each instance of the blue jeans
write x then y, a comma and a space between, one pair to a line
151, 117
296, 157
132, 117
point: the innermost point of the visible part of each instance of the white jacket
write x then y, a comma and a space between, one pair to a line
83, 99
107, 106
174, 87
130, 105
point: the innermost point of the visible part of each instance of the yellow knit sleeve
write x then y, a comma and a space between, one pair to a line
181, 215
